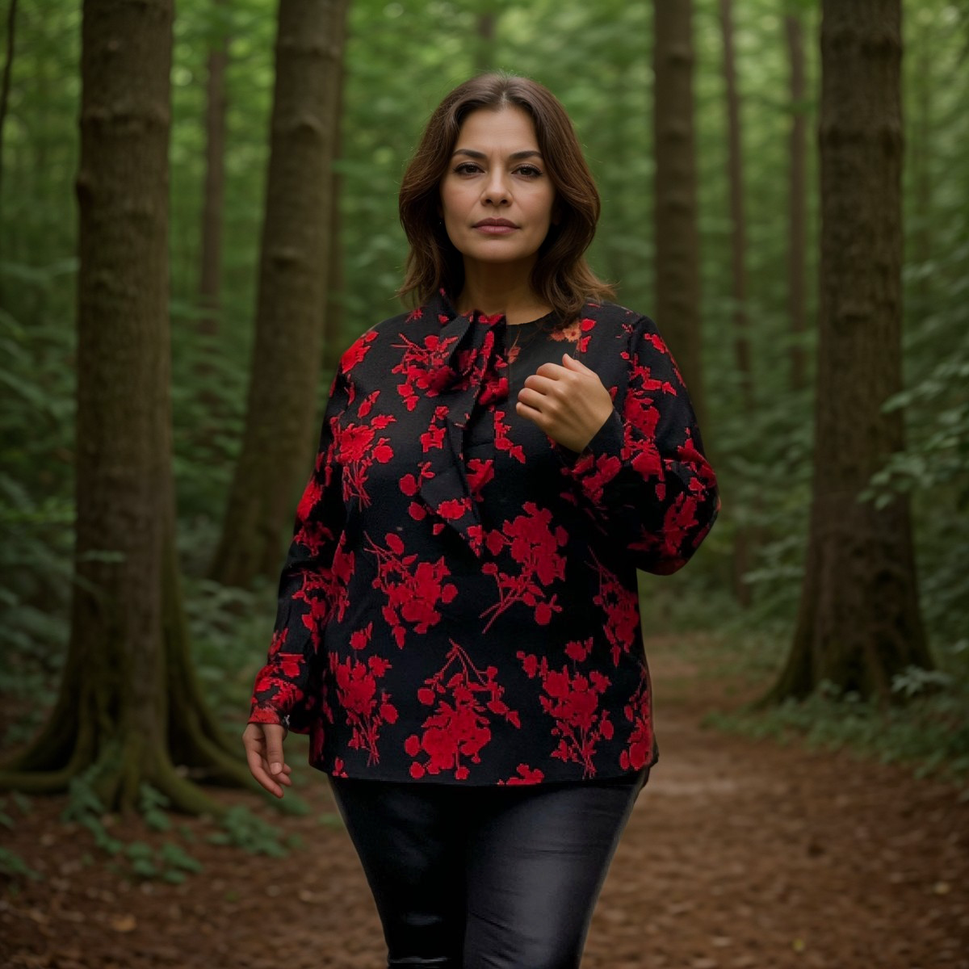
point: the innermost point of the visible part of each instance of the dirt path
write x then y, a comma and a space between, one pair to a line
739, 854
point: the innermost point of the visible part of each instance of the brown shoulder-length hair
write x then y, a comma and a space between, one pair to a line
561, 276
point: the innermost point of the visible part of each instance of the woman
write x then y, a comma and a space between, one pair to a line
458, 624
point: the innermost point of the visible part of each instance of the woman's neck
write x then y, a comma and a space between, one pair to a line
495, 289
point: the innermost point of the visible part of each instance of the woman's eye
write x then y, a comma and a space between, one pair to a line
529, 171
466, 168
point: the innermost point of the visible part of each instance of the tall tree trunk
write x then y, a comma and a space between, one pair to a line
7, 71
485, 46
335, 313
206, 387
743, 539
210, 278
921, 175
797, 204
113, 709
5, 99
738, 219
675, 191
281, 410
859, 620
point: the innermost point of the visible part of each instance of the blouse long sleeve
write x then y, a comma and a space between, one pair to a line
285, 689
644, 476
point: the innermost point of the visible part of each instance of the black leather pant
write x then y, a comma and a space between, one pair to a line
486, 878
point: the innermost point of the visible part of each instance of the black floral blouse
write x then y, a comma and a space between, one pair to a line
459, 602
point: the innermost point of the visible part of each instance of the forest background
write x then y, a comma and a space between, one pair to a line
758, 316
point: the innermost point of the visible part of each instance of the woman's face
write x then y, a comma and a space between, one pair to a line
496, 198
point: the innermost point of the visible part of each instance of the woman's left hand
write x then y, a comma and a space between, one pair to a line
569, 402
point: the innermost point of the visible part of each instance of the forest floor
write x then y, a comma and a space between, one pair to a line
740, 854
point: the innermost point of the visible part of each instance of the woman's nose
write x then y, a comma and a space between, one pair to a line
496, 189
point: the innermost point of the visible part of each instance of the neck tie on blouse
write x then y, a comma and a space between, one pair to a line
468, 373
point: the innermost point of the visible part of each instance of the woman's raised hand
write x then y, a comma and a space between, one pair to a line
569, 402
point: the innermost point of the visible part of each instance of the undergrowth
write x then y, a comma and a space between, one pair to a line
170, 860
926, 726
12, 866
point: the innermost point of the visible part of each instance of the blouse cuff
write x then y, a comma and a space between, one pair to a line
264, 714
607, 440
599, 463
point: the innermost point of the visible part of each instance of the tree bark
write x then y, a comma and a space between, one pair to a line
124, 676
5, 97
210, 404
738, 219
743, 538
281, 410
797, 204
485, 41
675, 192
336, 295
859, 621
210, 279
7, 71
921, 148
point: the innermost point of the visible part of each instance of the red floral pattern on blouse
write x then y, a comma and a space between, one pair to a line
459, 601
571, 698
639, 751
411, 589
462, 696
366, 711
534, 547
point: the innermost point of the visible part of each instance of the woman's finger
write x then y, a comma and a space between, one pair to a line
575, 364
534, 399
255, 742
274, 734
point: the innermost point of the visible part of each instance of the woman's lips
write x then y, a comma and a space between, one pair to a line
495, 228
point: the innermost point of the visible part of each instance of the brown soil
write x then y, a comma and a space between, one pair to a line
739, 854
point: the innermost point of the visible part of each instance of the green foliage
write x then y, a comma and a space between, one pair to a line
84, 807
915, 680
169, 863
36, 510
930, 732
142, 858
19, 802
937, 402
176, 858
14, 867
151, 805
209, 382
292, 805
927, 727
242, 828
229, 631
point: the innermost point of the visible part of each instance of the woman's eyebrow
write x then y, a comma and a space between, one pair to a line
514, 156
